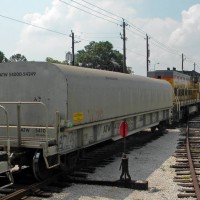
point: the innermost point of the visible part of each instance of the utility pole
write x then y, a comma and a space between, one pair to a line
72, 36
73, 42
182, 61
123, 37
148, 52
194, 66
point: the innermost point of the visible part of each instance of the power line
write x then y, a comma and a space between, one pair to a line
102, 9
29, 24
140, 35
130, 24
164, 48
130, 50
88, 12
156, 42
190, 59
43, 28
102, 37
141, 32
113, 33
46, 29
95, 10
135, 27
83, 39
139, 54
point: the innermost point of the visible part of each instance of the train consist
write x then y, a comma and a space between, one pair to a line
49, 113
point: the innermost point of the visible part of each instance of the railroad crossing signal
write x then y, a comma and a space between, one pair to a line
123, 129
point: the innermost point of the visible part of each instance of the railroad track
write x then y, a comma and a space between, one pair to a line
187, 165
36, 189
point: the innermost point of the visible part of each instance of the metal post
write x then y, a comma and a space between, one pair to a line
124, 136
124, 144
19, 124
57, 126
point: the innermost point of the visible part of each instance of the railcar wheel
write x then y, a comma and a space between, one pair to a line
153, 129
161, 127
40, 170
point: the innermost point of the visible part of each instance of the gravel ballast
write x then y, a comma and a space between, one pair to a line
151, 162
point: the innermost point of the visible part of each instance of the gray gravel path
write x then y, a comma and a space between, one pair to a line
151, 162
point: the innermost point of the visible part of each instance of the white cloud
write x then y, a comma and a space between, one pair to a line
37, 44
159, 30
186, 36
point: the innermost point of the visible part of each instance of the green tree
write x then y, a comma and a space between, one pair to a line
100, 55
17, 57
2, 57
130, 70
51, 60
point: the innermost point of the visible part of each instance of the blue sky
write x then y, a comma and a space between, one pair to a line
162, 19
145, 8
20, 7
163, 8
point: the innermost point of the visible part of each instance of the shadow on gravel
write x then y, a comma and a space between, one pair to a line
143, 161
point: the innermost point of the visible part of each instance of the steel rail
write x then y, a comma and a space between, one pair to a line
19, 194
191, 165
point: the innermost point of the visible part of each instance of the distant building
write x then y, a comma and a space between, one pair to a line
69, 57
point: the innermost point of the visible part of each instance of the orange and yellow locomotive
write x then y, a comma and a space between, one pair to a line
186, 87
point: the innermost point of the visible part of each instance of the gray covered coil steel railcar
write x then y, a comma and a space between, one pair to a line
59, 108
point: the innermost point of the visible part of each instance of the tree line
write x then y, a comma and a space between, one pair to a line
97, 55
14, 58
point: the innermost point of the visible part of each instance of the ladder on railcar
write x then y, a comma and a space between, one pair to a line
5, 165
